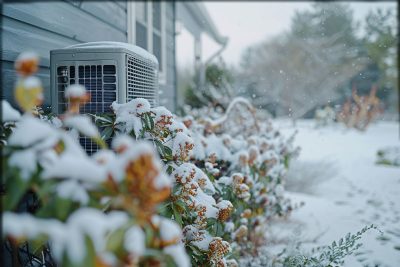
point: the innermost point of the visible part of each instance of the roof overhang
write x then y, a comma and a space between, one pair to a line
199, 14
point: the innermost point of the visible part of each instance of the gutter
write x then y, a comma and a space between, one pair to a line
199, 12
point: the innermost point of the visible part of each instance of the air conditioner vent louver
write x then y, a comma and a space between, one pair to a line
142, 80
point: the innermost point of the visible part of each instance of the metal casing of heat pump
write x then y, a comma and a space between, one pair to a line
110, 71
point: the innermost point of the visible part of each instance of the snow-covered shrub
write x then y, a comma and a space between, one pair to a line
99, 210
389, 156
324, 256
228, 173
170, 190
324, 116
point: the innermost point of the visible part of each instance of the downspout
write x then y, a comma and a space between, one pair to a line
175, 85
207, 62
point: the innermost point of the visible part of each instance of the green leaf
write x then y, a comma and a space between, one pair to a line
149, 235
62, 208
177, 216
179, 203
15, 188
106, 133
115, 240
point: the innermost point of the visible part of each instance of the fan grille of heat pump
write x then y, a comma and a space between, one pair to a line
142, 80
99, 80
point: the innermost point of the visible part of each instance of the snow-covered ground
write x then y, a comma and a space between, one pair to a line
344, 190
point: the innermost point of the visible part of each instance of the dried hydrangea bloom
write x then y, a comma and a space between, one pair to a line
163, 117
77, 96
138, 173
140, 105
241, 233
246, 213
141, 176
27, 64
225, 209
201, 219
122, 143
204, 182
253, 155
182, 146
212, 158
232, 263
29, 93
252, 140
237, 178
188, 121
227, 140
100, 262
243, 160
241, 189
187, 176
221, 263
193, 234
264, 146
184, 173
217, 249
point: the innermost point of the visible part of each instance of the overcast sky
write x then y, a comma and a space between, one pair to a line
247, 23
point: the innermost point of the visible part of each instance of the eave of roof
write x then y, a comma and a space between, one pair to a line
201, 15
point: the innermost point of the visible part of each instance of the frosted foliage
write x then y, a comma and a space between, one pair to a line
134, 107
80, 168
71, 189
161, 113
38, 131
169, 230
180, 143
8, 113
134, 241
216, 181
25, 160
83, 124
132, 150
28, 55
32, 82
204, 182
128, 114
215, 146
178, 253
75, 90
67, 237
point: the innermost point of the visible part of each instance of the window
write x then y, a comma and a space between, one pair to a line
146, 28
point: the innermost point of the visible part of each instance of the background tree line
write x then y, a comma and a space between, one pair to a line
318, 61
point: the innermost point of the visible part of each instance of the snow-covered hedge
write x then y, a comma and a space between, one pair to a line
389, 156
177, 191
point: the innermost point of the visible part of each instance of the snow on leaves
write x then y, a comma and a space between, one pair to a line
188, 185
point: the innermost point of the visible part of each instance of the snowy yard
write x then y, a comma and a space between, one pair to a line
344, 190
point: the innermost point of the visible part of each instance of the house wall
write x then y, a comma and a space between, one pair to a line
168, 91
43, 26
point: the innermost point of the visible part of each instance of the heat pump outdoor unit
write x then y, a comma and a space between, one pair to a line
110, 71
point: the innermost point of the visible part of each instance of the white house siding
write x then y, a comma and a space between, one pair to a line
168, 91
